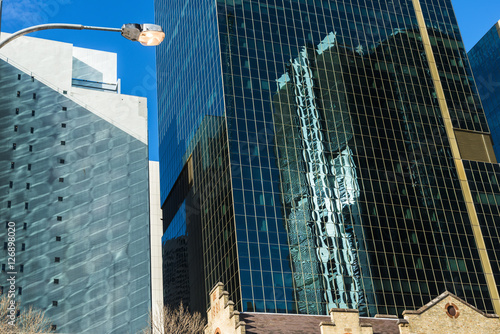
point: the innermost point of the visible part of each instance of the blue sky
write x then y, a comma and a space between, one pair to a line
136, 64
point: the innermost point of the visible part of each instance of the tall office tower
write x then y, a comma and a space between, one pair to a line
74, 184
485, 62
325, 154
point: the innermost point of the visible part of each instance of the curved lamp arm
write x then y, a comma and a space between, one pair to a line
147, 34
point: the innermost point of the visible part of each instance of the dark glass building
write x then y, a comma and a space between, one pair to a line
485, 62
325, 154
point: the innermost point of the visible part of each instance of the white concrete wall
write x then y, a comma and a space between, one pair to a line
156, 226
50, 60
102, 64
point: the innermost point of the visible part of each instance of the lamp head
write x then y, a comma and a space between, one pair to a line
146, 34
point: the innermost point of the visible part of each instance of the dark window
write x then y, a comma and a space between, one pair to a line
11, 184
32, 113
17, 111
54, 303
26, 206
12, 165
19, 291
32, 130
32, 78
3, 267
8, 204
27, 185
18, 94
63, 125
63, 142
59, 218
31, 148
64, 108
61, 179
61, 161
15, 128
23, 247
25, 226
5, 245
53, 327
29, 166
60, 199
56, 280
58, 238
19, 77
57, 259
34, 96
14, 146
21, 268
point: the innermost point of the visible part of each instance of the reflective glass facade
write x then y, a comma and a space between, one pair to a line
485, 62
342, 129
76, 188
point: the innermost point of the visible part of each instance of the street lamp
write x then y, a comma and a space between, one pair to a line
146, 34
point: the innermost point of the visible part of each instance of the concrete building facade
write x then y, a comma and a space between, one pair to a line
76, 187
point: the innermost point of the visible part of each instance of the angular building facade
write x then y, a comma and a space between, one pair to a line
485, 62
326, 154
75, 188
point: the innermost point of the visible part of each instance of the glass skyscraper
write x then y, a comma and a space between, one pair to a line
318, 154
485, 62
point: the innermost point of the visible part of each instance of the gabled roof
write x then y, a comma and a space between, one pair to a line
443, 296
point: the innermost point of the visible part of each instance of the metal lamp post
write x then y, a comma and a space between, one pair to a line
146, 34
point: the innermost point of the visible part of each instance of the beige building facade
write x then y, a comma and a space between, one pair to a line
446, 314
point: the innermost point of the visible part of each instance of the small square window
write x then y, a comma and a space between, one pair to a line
64, 108
61, 179
61, 161
23, 247
60, 199
53, 328
63, 142
18, 94
63, 125
57, 259
32, 130
54, 303
29, 166
59, 218
58, 238
56, 280
32, 113
27, 185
